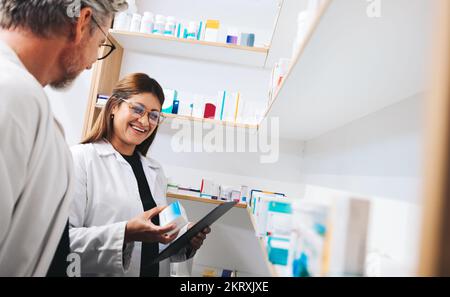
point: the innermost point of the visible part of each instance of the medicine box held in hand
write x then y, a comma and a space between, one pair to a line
174, 213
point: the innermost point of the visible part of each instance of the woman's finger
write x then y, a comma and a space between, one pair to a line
197, 241
196, 244
201, 236
165, 229
168, 238
154, 211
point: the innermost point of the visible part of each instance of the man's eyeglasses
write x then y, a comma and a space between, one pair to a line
154, 117
106, 49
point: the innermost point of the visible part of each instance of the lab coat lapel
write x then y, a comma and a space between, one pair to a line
151, 173
155, 178
104, 148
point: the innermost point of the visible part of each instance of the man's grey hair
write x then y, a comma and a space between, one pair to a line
49, 17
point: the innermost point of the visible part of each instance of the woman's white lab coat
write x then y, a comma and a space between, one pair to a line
106, 197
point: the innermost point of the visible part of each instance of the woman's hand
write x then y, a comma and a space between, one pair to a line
142, 229
197, 241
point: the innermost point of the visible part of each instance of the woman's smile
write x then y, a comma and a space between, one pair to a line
138, 129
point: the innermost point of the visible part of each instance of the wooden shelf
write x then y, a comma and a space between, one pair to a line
191, 49
202, 200
252, 225
351, 65
212, 121
232, 232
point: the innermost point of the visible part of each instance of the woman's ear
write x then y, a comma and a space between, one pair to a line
115, 110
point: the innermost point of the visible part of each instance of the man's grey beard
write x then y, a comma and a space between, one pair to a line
63, 83
71, 73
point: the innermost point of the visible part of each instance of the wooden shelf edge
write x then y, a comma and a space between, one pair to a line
202, 200
224, 123
262, 50
277, 20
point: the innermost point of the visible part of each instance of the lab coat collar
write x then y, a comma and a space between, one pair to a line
7, 52
104, 148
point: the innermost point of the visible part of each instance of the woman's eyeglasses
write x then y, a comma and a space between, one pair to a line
106, 49
155, 117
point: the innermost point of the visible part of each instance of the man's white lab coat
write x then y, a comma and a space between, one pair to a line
106, 197
35, 172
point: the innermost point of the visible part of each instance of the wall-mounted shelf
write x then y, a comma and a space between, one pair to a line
232, 243
211, 121
261, 242
263, 246
349, 66
202, 200
191, 49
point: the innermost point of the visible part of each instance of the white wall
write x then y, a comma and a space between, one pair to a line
231, 168
69, 106
379, 155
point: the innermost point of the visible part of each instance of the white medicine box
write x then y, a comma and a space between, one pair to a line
174, 213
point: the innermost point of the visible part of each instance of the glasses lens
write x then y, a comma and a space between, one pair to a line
154, 116
137, 109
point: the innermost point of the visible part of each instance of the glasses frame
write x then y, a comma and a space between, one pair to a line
112, 47
161, 115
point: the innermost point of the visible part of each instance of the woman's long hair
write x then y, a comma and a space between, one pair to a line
130, 85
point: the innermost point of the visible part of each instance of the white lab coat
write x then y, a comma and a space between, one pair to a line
106, 197
35, 173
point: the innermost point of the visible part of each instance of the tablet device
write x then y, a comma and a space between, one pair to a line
185, 239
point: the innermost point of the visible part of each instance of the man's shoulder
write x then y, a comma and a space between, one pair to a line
16, 80
20, 92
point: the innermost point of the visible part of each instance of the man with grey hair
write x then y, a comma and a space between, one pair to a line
42, 42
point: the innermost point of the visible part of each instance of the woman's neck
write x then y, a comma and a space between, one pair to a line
121, 147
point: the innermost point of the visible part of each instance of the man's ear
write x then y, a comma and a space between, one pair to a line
83, 25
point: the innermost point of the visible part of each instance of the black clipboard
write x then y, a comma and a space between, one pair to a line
185, 239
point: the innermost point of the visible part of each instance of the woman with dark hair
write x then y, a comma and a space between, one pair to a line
114, 222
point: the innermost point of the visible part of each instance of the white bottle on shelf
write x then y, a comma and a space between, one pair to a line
147, 23
160, 24
170, 26
136, 23
122, 21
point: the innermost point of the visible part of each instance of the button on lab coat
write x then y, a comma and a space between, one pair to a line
35, 173
106, 197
